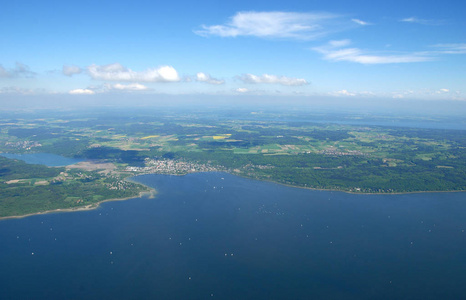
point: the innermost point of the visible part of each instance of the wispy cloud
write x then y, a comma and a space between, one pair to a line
421, 21
71, 70
21, 90
272, 79
117, 72
203, 77
109, 88
294, 25
435, 94
346, 93
360, 22
20, 70
425, 94
339, 43
81, 92
337, 51
451, 48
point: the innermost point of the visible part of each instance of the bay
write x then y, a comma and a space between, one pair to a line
215, 235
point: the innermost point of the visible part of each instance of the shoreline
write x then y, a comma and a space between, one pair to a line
342, 191
362, 193
302, 187
299, 187
151, 193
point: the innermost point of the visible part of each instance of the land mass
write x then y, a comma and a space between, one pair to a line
29, 189
294, 148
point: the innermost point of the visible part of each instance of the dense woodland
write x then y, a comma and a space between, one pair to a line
73, 190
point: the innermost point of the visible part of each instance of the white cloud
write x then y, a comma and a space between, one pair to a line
71, 70
459, 48
421, 21
203, 77
273, 79
20, 70
441, 91
274, 25
410, 20
116, 72
333, 51
242, 90
360, 22
107, 87
128, 87
338, 51
81, 92
367, 93
343, 93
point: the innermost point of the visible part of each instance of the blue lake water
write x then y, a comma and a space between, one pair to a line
215, 235
48, 159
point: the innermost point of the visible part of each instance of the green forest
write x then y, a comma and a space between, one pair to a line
27, 188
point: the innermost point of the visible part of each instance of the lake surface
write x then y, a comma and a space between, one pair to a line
48, 159
215, 235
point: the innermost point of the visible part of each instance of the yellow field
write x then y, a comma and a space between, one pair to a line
149, 137
221, 137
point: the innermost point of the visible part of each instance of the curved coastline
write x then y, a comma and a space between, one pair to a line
304, 187
342, 191
151, 193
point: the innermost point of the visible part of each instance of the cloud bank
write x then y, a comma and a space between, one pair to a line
117, 72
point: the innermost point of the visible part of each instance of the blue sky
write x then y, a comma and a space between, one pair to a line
371, 49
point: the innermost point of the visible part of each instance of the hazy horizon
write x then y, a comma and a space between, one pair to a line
401, 107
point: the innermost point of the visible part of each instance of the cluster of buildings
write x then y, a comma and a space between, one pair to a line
170, 166
23, 144
119, 185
